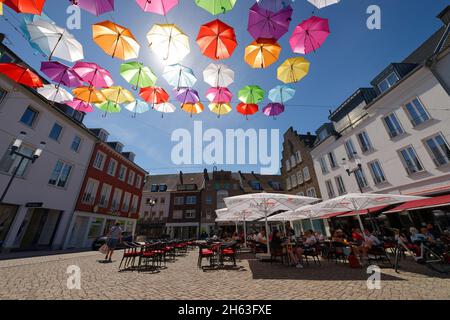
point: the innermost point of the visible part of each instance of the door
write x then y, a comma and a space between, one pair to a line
79, 232
40, 230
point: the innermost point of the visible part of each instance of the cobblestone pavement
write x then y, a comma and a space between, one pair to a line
46, 278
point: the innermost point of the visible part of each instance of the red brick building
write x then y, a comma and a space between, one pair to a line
111, 192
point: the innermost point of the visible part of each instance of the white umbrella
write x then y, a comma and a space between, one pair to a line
319, 4
266, 204
359, 201
55, 41
168, 42
54, 93
218, 75
165, 107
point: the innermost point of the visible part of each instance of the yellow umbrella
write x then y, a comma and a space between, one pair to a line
115, 40
293, 70
220, 108
89, 95
262, 53
118, 94
193, 108
168, 42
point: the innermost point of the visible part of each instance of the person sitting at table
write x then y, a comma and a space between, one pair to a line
370, 241
261, 240
435, 233
235, 237
357, 236
319, 236
276, 241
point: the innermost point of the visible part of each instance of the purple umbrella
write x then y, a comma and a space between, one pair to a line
97, 7
273, 5
264, 23
187, 95
273, 109
61, 74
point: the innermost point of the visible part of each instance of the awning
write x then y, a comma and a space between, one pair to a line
435, 202
330, 215
364, 212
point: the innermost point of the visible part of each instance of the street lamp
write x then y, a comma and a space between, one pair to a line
15, 151
354, 170
151, 203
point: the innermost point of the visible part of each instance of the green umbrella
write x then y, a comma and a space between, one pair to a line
138, 75
109, 107
251, 94
216, 7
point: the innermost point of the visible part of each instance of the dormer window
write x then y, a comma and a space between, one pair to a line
119, 147
103, 136
388, 82
323, 135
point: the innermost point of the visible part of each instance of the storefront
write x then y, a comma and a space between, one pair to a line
7, 215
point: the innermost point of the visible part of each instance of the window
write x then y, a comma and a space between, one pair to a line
416, 112
29, 117
60, 174
340, 185
350, 149
9, 163
361, 178
163, 200
288, 165
298, 156
332, 158
393, 125
131, 176
208, 199
330, 189
90, 192
190, 214
410, 160
293, 162
179, 201
115, 205
112, 167
76, 142
191, 200
439, 149
311, 192
138, 181
99, 160
276, 185
323, 165
288, 184
178, 214
123, 174
126, 202
377, 172
105, 195
55, 133
364, 142
299, 177
163, 187
256, 185
154, 188
306, 174
388, 82
294, 181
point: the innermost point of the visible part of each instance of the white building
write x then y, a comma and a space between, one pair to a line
40, 202
398, 130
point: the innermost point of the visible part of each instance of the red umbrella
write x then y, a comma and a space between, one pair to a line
247, 109
154, 95
217, 40
21, 75
25, 6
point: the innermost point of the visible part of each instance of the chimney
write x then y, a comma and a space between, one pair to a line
444, 16
181, 177
205, 174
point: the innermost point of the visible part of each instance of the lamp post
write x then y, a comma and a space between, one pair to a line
151, 203
15, 151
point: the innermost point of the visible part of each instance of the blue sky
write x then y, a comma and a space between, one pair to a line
350, 58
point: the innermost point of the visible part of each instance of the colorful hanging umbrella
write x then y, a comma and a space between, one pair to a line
273, 109
220, 108
264, 23
109, 107
168, 42
23, 27
115, 40
117, 95
309, 35
89, 95
96, 7
154, 95
157, 6
179, 76
217, 40
165, 107
21, 75
186, 95
61, 74
137, 106
193, 108
93, 74
281, 94
25, 6
54, 93
262, 53
319, 4
80, 105
293, 70
251, 94
216, 7
274, 5
219, 95
247, 109
55, 41
138, 75
218, 75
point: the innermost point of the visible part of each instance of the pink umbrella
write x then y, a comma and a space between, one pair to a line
219, 95
157, 6
264, 23
273, 109
309, 35
97, 7
61, 74
80, 105
93, 74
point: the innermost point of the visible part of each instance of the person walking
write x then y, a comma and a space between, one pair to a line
114, 238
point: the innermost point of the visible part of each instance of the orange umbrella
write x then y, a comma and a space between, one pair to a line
262, 53
115, 40
21, 75
217, 40
89, 95
193, 108
25, 6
